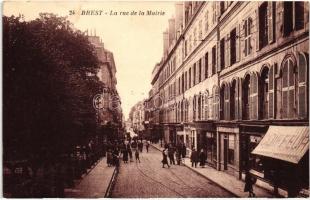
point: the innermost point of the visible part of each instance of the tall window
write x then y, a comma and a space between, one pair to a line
222, 7
288, 89
206, 105
213, 60
206, 65
246, 98
288, 17
263, 25
302, 86
185, 81
199, 73
299, 15
247, 34
222, 53
264, 80
206, 21
194, 75
190, 78
185, 47
233, 46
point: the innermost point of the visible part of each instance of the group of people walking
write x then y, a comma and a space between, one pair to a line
198, 157
126, 148
170, 151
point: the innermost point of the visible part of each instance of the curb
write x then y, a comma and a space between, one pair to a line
232, 192
111, 185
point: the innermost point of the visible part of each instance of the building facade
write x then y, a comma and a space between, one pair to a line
110, 116
230, 73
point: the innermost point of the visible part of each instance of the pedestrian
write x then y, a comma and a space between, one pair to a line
116, 158
178, 157
183, 151
125, 155
134, 145
109, 158
202, 158
171, 154
137, 155
129, 152
147, 145
249, 181
140, 146
194, 158
165, 160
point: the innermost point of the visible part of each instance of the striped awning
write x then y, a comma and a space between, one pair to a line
288, 143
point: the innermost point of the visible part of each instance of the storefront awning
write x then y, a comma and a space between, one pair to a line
288, 143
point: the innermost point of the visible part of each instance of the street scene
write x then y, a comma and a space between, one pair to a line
185, 99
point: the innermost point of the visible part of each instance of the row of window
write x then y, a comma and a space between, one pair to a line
275, 93
228, 47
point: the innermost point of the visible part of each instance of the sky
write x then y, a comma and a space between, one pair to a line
136, 41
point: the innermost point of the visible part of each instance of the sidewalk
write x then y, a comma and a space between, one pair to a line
226, 181
94, 184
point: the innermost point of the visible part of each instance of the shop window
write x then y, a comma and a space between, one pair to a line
247, 36
206, 65
263, 25
255, 161
288, 17
233, 46
299, 15
246, 98
222, 53
213, 60
288, 89
231, 149
211, 148
264, 93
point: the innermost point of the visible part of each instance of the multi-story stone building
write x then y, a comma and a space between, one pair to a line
111, 112
233, 76
137, 118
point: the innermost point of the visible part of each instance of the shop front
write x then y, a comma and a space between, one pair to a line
228, 148
284, 151
250, 137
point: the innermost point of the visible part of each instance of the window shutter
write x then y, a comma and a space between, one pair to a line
285, 90
240, 99
302, 86
238, 43
243, 36
218, 57
270, 13
291, 93
251, 98
271, 93
255, 96
227, 51
227, 109
257, 29
236, 99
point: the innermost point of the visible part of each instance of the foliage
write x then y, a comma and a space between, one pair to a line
48, 84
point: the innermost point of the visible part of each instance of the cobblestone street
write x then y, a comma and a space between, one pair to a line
149, 179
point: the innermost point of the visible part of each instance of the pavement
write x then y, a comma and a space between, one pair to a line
94, 184
226, 181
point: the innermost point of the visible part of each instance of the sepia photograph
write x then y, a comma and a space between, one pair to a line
155, 99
